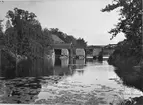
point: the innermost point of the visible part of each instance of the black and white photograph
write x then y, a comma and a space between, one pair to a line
71, 52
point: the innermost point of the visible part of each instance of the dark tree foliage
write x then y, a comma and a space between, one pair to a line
72, 40
1, 33
47, 37
1, 27
10, 39
81, 43
130, 22
25, 28
59, 33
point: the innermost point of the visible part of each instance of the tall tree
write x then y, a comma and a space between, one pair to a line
1, 33
130, 21
26, 26
1, 26
47, 37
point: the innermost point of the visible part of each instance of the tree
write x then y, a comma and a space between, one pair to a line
72, 40
59, 33
26, 27
1, 33
66, 38
47, 37
10, 39
81, 42
130, 21
1, 26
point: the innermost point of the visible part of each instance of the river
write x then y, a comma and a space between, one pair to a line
69, 82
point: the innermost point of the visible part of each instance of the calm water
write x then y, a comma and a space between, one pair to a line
65, 81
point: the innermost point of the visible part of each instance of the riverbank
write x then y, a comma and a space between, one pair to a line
130, 71
119, 60
129, 66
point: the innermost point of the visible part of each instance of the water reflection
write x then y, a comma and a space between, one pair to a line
79, 64
24, 68
19, 90
94, 62
50, 66
62, 67
79, 79
131, 77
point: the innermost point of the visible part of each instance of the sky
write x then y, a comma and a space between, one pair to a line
80, 18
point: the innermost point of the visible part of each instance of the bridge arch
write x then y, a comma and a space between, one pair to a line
63, 49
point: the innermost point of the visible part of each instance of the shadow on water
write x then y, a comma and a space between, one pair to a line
131, 77
38, 68
93, 61
62, 67
78, 66
19, 90
7, 66
24, 84
79, 63
67, 67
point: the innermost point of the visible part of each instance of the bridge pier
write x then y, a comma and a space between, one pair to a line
70, 53
0, 62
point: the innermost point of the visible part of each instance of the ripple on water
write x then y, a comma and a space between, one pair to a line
97, 85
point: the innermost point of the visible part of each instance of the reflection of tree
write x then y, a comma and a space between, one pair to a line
48, 66
131, 77
7, 65
21, 90
24, 68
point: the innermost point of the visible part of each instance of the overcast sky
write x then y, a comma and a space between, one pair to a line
80, 18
